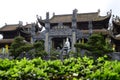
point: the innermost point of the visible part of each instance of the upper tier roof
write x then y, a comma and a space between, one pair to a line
80, 17
9, 27
83, 17
28, 26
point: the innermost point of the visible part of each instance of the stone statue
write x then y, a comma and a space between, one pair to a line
66, 49
67, 44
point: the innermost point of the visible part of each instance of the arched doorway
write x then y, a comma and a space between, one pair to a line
59, 42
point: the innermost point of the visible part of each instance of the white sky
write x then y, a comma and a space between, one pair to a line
13, 11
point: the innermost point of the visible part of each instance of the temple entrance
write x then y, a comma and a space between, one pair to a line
58, 42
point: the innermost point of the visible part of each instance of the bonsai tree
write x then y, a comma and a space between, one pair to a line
97, 45
19, 46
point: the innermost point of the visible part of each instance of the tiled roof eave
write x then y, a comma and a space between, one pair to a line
6, 41
96, 31
7, 31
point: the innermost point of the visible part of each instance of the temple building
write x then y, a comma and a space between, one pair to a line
10, 31
75, 27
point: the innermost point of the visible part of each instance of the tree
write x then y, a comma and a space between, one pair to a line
39, 49
19, 46
96, 45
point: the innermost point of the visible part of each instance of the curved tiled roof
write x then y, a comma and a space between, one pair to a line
103, 31
9, 27
6, 40
80, 17
83, 17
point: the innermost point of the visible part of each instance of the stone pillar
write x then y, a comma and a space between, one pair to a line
74, 27
47, 27
74, 19
46, 42
73, 41
47, 22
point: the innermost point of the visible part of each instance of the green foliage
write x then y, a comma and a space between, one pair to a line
39, 49
16, 45
19, 46
96, 45
54, 54
39, 45
24, 48
69, 69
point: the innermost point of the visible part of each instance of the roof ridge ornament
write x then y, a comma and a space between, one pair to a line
38, 17
53, 13
75, 14
5, 24
74, 19
47, 22
20, 23
109, 12
98, 12
47, 16
75, 10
